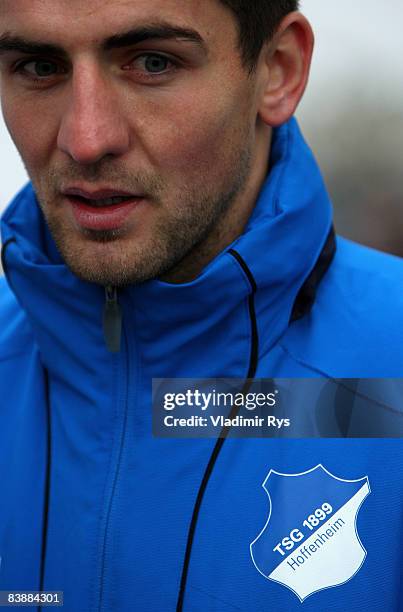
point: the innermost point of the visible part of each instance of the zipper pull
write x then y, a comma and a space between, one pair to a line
112, 320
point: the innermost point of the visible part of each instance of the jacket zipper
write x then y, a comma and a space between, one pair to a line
112, 320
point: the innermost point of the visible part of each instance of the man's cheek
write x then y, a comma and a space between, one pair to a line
196, 141
31, 121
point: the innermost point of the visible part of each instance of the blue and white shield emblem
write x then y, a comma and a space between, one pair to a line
310, 540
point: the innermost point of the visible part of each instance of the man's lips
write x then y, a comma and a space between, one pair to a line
103, 209
98, 193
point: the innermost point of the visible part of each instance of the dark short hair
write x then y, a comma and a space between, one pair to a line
257, 22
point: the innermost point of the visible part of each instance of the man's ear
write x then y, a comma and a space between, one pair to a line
284, 66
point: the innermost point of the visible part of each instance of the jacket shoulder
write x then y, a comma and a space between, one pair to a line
356, 325
15, 332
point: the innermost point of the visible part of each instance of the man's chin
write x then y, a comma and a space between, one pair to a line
103, 236
106, 259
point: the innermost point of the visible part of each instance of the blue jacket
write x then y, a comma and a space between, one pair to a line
93, 505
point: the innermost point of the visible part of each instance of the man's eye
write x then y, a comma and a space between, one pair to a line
153, 63
40, 69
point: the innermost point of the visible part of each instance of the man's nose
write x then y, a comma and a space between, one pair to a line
92, 124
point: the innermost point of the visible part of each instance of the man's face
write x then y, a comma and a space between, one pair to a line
138, 137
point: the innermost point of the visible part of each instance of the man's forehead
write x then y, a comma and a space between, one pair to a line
90, 7
97, 18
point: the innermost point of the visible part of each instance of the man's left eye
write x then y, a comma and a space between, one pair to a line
154, 64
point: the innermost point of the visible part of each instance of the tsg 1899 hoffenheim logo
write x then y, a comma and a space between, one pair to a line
310, 540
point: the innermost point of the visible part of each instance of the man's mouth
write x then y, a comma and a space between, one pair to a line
99, 202
101, 210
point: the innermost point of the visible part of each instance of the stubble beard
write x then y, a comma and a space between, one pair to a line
186, 233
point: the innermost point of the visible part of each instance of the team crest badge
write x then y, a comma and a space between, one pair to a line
310, 541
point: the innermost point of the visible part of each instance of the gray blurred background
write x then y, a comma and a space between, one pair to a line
352, 116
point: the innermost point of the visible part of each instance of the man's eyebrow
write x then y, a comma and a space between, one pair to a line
8, 43
156, 32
